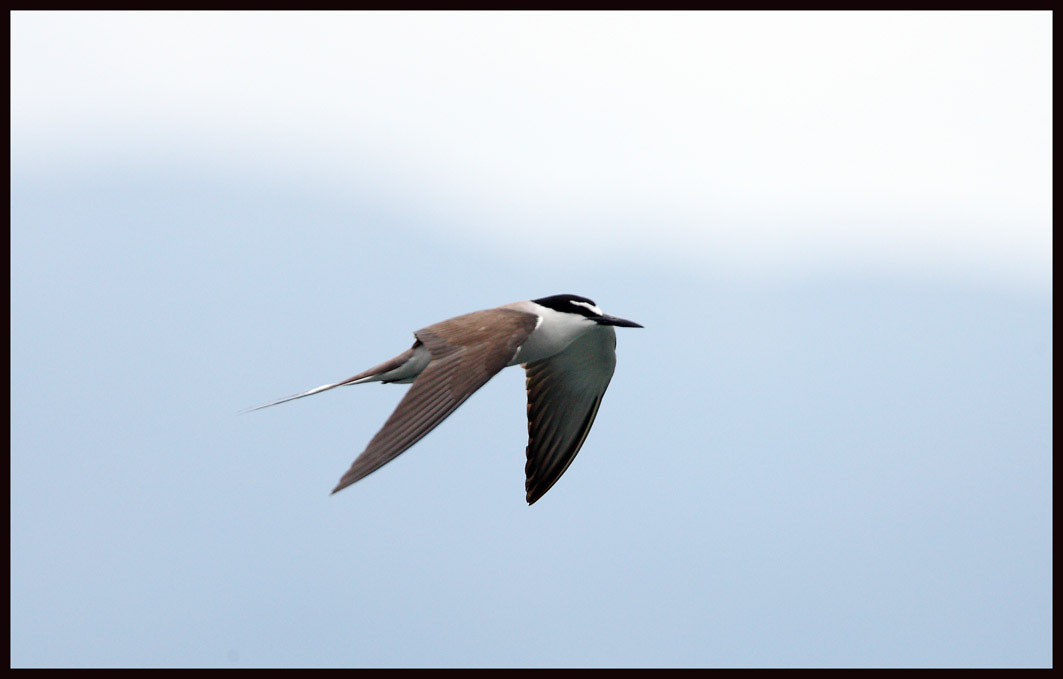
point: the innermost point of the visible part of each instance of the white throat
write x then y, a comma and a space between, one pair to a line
553, 333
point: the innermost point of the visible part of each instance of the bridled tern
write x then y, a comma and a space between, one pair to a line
567, 346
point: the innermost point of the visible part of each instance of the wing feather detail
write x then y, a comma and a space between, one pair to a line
466, 352
564, 394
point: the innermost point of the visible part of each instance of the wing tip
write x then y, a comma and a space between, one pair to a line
534, 492
344, 482
353, 475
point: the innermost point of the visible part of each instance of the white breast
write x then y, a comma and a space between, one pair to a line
553, 334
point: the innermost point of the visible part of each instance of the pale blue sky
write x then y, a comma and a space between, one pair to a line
831, 444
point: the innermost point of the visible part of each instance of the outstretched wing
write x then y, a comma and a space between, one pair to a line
564, 393
466, 352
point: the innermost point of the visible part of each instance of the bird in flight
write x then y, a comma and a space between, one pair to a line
567, 346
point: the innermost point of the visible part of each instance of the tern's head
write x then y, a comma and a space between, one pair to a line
581, 306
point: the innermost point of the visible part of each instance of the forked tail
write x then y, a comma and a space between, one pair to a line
371, 375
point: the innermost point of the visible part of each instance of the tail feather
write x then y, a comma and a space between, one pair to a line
317, 390
367, 376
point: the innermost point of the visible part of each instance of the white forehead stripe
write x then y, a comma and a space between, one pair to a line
589, 306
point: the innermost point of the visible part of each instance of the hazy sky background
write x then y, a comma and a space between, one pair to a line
831, 444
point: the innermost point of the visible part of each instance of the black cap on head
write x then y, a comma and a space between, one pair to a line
582, 306
564, 303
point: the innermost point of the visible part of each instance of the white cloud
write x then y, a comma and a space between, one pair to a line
753, 139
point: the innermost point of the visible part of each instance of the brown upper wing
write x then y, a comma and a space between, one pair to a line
466, 352
564, 393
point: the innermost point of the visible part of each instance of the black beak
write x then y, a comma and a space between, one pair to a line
605, 319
